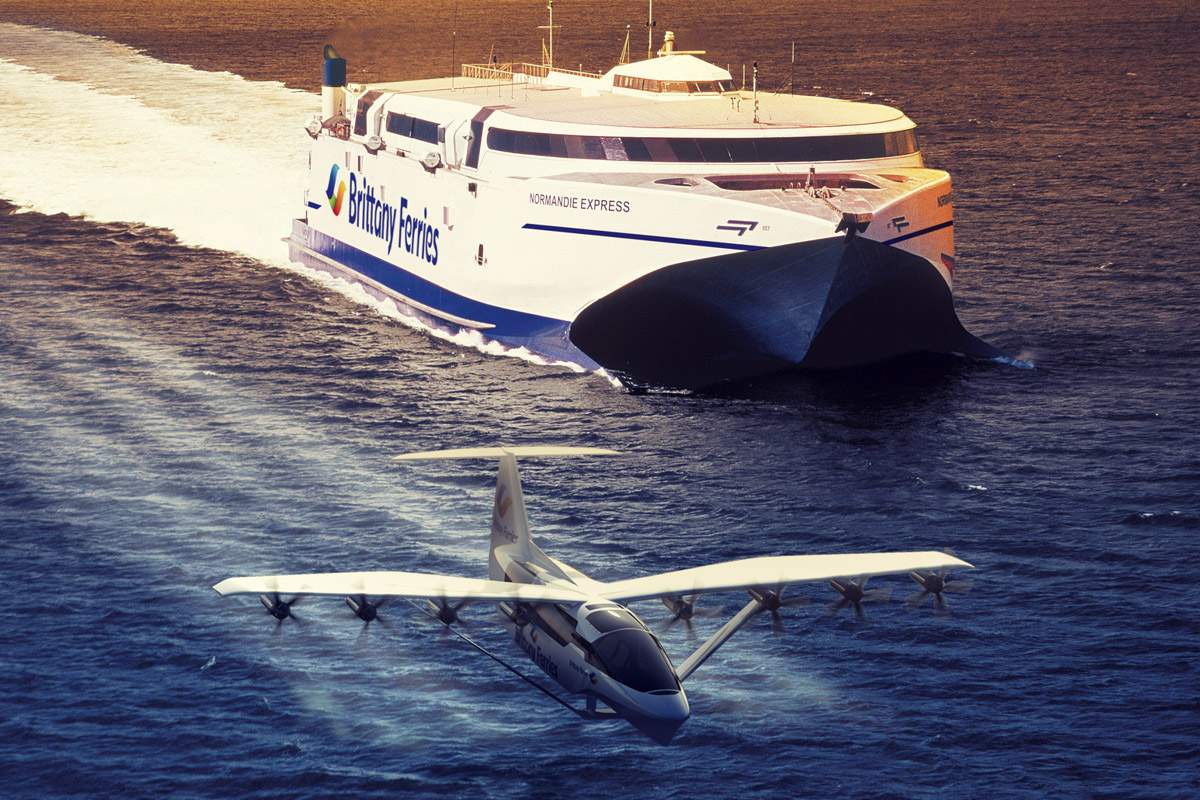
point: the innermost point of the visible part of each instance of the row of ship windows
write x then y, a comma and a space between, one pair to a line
717, 150
685, 87
412, 127
399, 124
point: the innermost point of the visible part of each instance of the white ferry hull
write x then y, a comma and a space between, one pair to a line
825, 303
671, 255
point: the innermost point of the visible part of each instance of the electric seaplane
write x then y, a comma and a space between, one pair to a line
578, 630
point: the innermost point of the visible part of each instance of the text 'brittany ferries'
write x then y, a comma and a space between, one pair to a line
417, 236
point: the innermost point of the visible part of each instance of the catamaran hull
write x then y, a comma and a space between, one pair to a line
824, 304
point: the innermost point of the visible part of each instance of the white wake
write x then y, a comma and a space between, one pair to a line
99, 130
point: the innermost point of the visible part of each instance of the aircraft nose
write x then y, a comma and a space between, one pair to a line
679, 710
659, 716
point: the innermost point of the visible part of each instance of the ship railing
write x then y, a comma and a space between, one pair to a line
521, 72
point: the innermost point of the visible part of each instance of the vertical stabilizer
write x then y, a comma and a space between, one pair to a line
510, 524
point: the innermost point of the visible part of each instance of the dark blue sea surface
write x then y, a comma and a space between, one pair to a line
178, 405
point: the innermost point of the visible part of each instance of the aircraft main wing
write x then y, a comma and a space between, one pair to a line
398, 584
769, 572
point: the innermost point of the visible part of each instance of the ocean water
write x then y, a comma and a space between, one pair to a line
178, 404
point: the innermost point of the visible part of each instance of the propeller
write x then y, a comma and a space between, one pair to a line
682, 609
855, 593
935, 584
447, 614
277, 607
772, 600
364, 609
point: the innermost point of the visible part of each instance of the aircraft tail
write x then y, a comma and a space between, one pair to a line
510, 523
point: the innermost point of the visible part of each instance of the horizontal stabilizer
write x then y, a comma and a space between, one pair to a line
398, 584
524, 451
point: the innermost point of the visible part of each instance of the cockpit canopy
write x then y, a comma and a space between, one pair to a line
607, 618
634, 658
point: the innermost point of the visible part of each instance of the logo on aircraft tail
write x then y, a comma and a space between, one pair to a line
335, 196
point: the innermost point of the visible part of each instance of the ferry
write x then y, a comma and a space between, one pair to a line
654, 221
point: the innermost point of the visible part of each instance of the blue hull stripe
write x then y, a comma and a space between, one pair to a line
749, 248
921, 232
644, 237
543, 335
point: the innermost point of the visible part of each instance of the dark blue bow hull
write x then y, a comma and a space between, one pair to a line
823, 304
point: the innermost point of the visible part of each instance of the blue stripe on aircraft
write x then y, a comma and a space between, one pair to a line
311, 204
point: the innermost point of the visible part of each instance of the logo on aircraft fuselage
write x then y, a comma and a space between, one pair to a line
335, 196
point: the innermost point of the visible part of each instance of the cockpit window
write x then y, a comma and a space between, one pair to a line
612, 619
635, 659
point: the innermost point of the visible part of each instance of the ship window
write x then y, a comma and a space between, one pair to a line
685, 149
399, 124
425, 130
683, 87
636, 149
360, 112
713, 150
614, 150
412, 127
710, 150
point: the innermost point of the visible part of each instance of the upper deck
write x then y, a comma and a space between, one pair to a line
675, 91
546, 101
664, 112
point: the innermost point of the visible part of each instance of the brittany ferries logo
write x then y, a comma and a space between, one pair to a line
393, 224
335, 197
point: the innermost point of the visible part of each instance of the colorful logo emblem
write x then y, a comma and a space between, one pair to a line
335, 197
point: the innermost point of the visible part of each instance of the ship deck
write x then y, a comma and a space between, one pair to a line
732, 110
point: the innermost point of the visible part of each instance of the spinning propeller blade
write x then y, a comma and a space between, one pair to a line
277, 607
936, 584
447, 614
683, 609
364, 609
772, 600
854, 594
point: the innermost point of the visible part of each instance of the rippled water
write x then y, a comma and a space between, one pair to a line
178, 405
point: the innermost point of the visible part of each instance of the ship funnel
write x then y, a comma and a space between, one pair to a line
335, 68
333, 86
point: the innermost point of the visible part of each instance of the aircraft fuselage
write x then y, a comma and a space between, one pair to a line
601, 649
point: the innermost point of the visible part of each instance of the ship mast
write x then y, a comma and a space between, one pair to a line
549, 57
650, 31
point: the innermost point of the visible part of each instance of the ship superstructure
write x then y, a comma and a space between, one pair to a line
652, 220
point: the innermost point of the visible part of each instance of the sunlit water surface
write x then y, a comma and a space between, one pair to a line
178, 404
